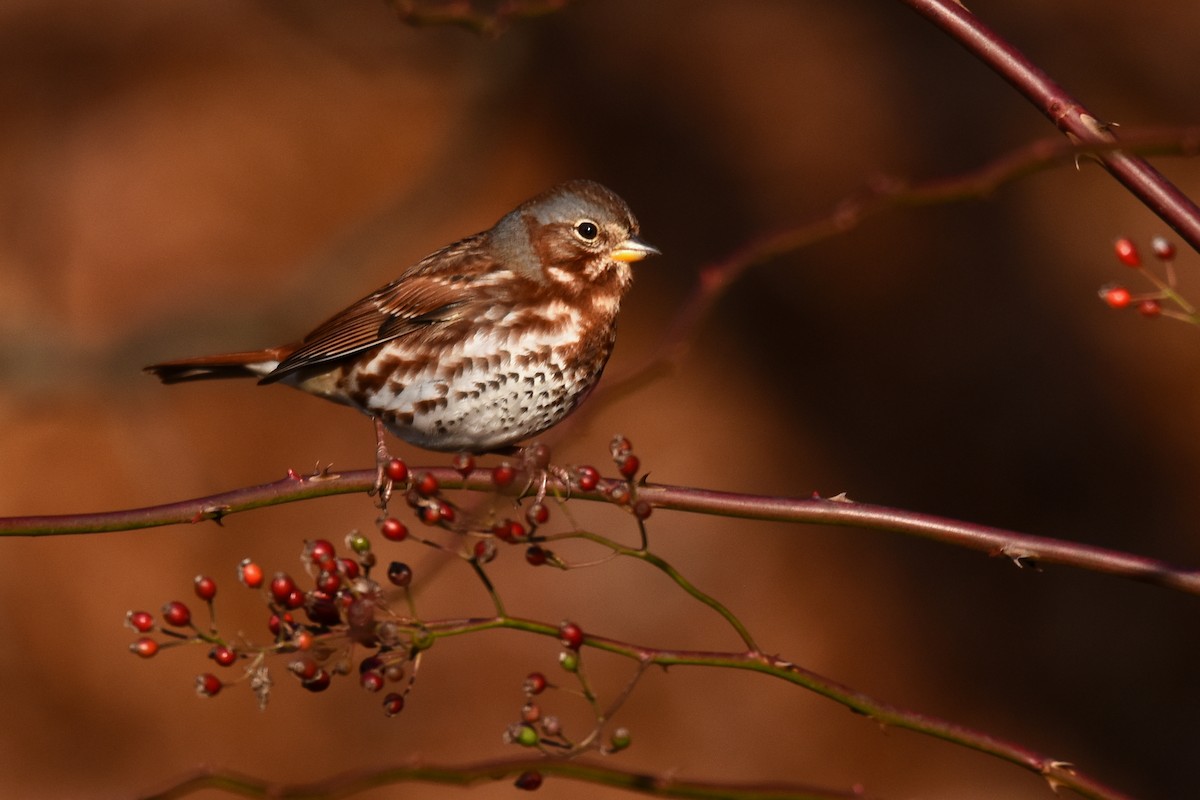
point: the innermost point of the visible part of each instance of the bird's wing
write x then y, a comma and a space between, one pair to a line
431, 293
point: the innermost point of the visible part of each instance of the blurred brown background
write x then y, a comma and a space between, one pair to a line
182, 178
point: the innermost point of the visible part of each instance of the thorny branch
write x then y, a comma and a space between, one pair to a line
1021, 549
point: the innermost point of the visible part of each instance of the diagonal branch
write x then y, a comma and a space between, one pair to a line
1072, 118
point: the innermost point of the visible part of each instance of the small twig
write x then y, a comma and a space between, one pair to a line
660, 564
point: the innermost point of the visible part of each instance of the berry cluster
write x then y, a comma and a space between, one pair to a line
339, 617
1149, 304
322, 624
545, 731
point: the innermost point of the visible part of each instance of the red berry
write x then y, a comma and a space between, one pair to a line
427, 484
1149, 308
140, 621
393, 704
295, 599
1163, 249
371, 680
619, 447
319, 551
619, 494
535, 683
393, 529
571, 635
208, 685
537, 556
529, 780
1116, 296
222, 655
303, 667
396, 470
349, 568
282, 587
464, 463
277, 623
628, 466
318, 682
537, 514
1127, 252
177, 614
531, 713
303, 640
589, 478
144, 647
328, 582
504, 474
206, 587
250, 574
642, 509
485, 551
431, 514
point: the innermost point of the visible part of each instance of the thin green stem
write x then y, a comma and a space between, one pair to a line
1056, 772
675, 575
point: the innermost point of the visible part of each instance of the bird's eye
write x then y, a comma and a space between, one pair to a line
586, 230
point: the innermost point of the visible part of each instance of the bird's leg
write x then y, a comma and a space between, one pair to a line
383, 484
536, 460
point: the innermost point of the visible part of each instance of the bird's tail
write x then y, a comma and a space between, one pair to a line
251, 364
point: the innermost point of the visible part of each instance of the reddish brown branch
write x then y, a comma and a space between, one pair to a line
354, 783
1072, 118
1022, 549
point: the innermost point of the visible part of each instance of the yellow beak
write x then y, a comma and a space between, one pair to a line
633, 249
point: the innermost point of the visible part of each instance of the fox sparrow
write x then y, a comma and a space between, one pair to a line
480, 345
